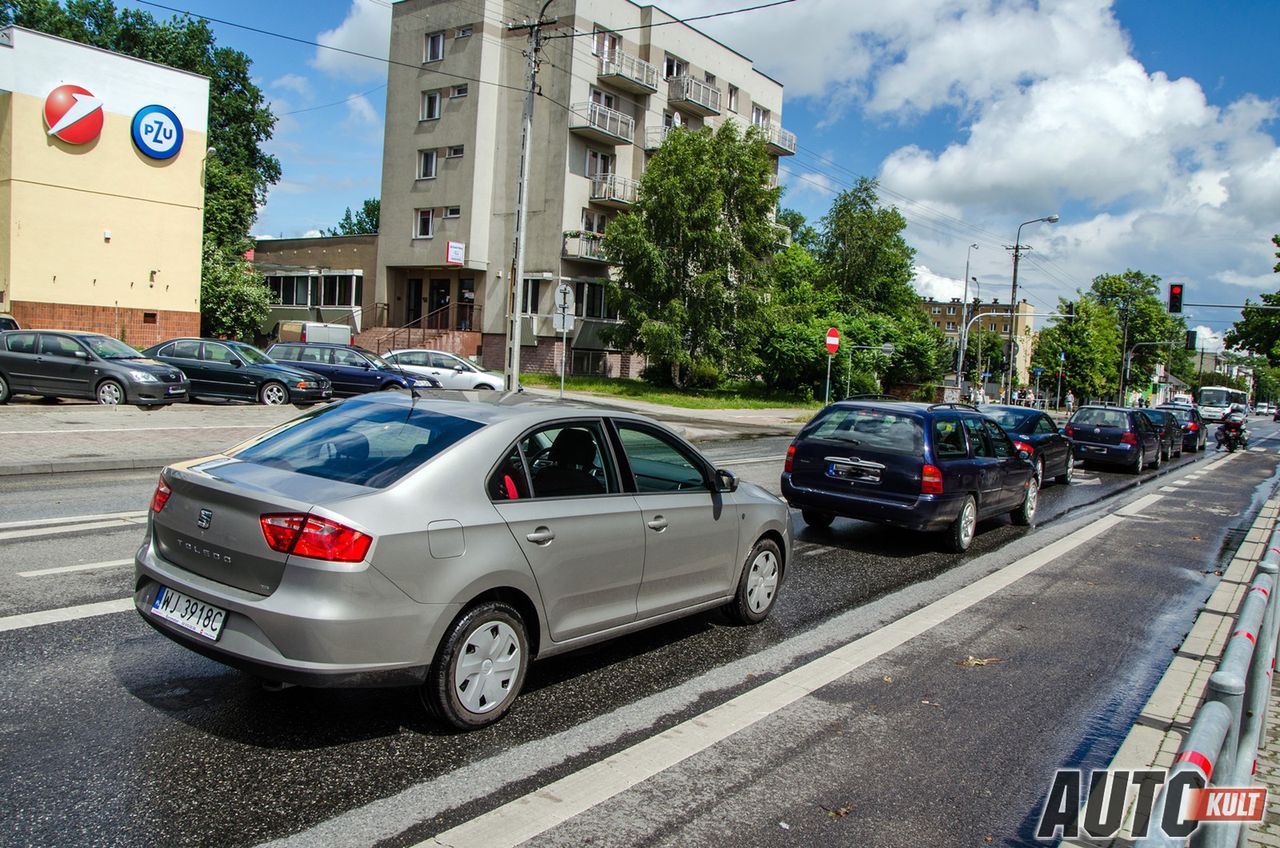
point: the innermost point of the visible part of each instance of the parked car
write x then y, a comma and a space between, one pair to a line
228, 369
8, 322
312, 331
939, 467
1114, 435
351, 370
1195, 435
453, 372
1170, 432
69, 364
442, 544
1035, 431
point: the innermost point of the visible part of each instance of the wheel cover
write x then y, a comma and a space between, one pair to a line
1039, 472
110, 394
274, 394
762, 582
968, 521
488, 664
1070, 472
1032, 499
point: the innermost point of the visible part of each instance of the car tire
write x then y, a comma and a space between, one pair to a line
484, 387
758, 585
1068, 473
389, 387
273, 393
1038, 472
1140, 461
110, 393
1025, 514
469, 699
817, 520
961, 532
5, 394
1158, 461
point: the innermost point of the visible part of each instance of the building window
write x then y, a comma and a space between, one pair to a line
529, 305
709, 77
455, 152
604, 98
458, 91
605, 43
426, 164
937, 310
430, 106
594, 222
340, 290
733, 98
453, 212
463, 32
599, 163
1004, 328
951, 310
951, 325
149, 318
759, 116
290, 291
590, 301
674, 67
423, 223
433, 47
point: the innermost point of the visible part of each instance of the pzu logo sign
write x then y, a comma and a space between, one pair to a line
157, 132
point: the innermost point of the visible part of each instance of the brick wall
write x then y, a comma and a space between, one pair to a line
545, 358
128, 325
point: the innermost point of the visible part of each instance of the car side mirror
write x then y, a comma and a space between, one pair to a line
726, 480
459, 368
80, 354
236, 363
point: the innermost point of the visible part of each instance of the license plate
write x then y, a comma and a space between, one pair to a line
1096, 450
176, 390
184, 611
852, 472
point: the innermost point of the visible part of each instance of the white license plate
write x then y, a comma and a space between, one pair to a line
176, 390
185, 611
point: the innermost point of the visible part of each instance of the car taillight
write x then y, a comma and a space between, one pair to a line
161, 496
1128, 438
317, 538
930, 480
1069, 431
1192, 427
1023, 446
791, 459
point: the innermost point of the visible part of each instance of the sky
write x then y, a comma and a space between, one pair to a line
1151, 129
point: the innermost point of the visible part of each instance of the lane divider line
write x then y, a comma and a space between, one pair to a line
68, 569
537, 812
36, 532
70, 519
62, 433
54, 616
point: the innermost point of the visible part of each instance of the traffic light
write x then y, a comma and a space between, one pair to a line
1071, 309
1175, 297
1191, 340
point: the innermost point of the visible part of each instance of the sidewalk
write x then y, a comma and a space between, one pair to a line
1160, 728
40, 438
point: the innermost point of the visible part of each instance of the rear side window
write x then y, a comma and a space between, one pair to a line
1044, 427
313, 354
21, 342
184, 350
875, 429
978, 437
948, 439
363, 443
284, 352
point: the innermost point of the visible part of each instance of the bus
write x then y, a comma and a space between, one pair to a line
1215, 401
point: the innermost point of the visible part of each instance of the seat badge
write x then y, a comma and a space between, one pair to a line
206, 516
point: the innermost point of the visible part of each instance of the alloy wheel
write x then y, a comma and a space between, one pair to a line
968, 523
274, 394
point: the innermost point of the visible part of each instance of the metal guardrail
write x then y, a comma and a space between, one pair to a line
1227, 731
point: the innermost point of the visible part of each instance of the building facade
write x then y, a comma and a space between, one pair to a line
328, 279
620, 77
101, 189
953, 316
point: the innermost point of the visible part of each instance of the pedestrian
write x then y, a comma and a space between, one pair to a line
1071, 402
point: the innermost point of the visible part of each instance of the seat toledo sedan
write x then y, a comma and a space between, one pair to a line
392, 540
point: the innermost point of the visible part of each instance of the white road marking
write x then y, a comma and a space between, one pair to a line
70, 519
114, 523
54, 616
1182, 482
1139, 505
262, 426
1168, 489
68, 569
750, 461
533, 814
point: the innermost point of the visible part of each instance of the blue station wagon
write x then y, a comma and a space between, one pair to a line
939, 467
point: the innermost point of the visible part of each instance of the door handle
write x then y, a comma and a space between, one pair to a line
541, 536
657, 523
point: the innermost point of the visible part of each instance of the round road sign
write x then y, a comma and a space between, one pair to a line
833, 341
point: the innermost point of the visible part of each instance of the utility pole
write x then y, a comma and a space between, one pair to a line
534, 28
1017, 249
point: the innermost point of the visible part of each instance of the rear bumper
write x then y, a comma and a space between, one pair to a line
1109, 454
319, 628
926, 512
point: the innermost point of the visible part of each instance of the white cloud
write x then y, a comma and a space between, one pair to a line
1208, 338
366, 30
799, 183
361, 114
937, 286
296, 83
312, 234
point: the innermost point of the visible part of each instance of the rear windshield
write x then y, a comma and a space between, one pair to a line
369, 444
1010, 419
874, 429
1182, 415
1101, 418
1157, 416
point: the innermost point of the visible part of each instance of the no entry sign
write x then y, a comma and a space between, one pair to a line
833, 341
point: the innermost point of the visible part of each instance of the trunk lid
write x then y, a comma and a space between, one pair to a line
861, 451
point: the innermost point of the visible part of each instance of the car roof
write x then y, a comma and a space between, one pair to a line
910, 406
499, 408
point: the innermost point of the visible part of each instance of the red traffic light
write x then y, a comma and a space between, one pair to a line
1175, 297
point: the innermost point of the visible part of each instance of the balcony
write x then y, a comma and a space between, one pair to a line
771, 181
654, 136
694, 96
613, 190
622, 70
584, 247
602, 124
780, 142
782, 234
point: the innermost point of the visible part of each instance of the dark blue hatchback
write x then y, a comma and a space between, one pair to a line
939, 467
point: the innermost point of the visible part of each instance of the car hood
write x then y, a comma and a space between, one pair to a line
288, 371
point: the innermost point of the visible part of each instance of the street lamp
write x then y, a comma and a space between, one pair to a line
964, 311
1013, 296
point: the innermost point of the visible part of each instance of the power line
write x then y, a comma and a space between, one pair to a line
682, 20
334, 103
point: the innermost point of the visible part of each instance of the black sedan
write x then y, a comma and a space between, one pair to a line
227, 369
1170, 432
1195, 433
1050, 450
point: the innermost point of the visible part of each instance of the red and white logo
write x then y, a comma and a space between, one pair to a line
73, 114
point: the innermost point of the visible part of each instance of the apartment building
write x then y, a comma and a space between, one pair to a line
951, 317
616, 76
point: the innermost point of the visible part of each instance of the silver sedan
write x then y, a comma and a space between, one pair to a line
392, 540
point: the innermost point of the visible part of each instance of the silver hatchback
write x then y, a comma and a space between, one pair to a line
391, 540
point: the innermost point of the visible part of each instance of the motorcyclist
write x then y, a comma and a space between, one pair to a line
1233, 432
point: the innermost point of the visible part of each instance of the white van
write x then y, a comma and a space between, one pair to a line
313, 331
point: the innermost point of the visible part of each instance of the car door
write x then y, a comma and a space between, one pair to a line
20, 361
228, 372
63, 367
444, 368
988, 469
580, 532
1146, 433
185, 356
1052, 444
690, 529
353, 372
1014, 470
319, 360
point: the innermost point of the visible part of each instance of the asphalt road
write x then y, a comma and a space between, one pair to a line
112, 735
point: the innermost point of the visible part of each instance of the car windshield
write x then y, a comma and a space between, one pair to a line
1101, 418
109, 348
1010, 419
369, 444
875, 429
377, 361
252, 355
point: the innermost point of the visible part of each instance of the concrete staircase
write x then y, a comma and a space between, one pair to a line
382, 339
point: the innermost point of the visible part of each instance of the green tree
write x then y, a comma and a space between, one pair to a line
802, 233
363, 222
1147, 330
984, 351
1258, 330
1090, 343
240, 173
693, 255
864, 255
234, 299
